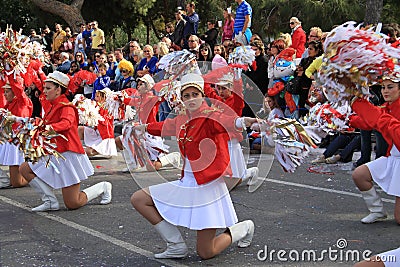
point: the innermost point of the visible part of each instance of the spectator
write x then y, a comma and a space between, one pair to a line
205, 53
74, 68
103, 81
227, 29
48, 66
258, 71
178, 32
65, 63
127, 81
97, 38
131, 47
112, 66
58, 37
33, 37
80, 59
298, 36
118, 54
47, 37
148, 64
219, 57
169, 29
194, 44
211, 35
315, 35
242, 23
228, 46
192, 23
80, 43
87, 36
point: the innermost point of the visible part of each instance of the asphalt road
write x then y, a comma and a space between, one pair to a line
312, 218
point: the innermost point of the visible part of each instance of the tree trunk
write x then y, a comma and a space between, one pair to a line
373, 10
70, 13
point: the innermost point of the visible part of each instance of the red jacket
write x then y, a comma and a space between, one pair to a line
63, 118
146, 105
299, 41
385, 119
106, 127
235, 102
21, 105
201, 139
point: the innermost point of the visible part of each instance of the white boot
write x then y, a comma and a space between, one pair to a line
251, 175
173, 159
48, 197
374, 205
176, 247
242, 232
103, 188
4, 180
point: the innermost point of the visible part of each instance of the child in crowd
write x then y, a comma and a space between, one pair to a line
103, 81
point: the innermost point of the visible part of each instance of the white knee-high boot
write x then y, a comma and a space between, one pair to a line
4, 180
48, 197
102, 188
242, 232
176, 246
173, 159
374, 205
251, 175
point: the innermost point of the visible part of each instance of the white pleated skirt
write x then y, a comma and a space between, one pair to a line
62, 173
390, 258
385, 172
106, 147
238, 164
10, 155
185, 203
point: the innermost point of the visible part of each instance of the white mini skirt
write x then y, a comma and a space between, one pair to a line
106, 147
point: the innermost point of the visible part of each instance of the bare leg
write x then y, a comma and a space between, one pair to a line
81, 130
157, 165
73, 197
143, 203
16, 179
26, 172
209, 245
118, 142
397, 210
362, 178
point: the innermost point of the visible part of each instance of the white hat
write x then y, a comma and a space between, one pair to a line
105, 91
58, 78
393, 75
226, 80
148, 80
192, 80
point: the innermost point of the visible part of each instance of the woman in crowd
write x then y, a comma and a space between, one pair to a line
148, 63
211, 35
19, 104
227, 29
277, 46
259, 69
80, 58
65, 174
200, 199
219, 57
74, 68
298, 36
384, 171
206, 53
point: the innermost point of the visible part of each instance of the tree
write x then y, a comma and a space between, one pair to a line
373, 10
69, 13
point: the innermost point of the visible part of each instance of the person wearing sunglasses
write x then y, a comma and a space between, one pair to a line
315, 35
148, 63
205, 53
298, 37
127, 81
211, 35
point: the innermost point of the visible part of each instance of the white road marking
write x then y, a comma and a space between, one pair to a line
89, 231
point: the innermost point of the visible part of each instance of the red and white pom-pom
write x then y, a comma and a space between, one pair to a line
353, 59
88, 111
330, 118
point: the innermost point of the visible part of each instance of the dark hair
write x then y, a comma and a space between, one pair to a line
102, 65
78, 66
317, 45
223, 52
63, 89
192, 4
209, 55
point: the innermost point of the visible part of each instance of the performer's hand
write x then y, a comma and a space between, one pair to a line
249, 121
